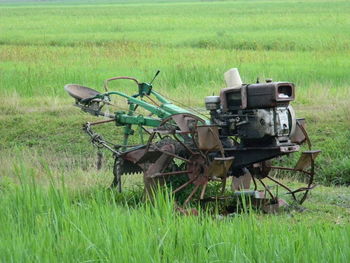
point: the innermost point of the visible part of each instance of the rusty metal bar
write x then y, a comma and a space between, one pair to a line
203, 191
153, 101
169, 173
184, 145
289, 169
184, 185
115, 78
255, 184
267, 189
173, 155
312, 173
100, 122
146, 130
150, 141
282, 185
191, 194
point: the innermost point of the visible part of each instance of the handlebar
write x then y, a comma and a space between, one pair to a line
116, 78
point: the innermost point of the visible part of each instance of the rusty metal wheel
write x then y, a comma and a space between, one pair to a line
186, 168
304, 166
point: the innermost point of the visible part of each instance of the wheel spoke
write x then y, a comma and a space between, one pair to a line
173, 155
184, 185
282, 185
184, 145
267, 189
223, 181
203, 190
255, 184
191, 194
169, 173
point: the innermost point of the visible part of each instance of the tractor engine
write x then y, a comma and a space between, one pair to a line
258, 114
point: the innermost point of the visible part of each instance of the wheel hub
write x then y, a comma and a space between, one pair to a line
198, 167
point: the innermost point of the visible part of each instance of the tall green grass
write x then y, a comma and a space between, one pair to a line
43, 71
46, 46
272, 25
56, 225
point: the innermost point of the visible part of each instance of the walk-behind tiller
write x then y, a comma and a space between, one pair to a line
248, 126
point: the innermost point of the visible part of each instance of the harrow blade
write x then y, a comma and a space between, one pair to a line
130, 168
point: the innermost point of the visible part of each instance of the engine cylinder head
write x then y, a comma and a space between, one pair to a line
212, 102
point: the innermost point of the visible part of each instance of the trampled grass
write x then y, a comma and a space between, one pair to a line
55, 206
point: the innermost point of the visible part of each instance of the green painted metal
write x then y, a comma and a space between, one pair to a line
144, 89
162, 109
160, 97
121, 118
165, 109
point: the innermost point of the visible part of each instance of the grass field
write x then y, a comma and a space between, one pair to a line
54, 203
